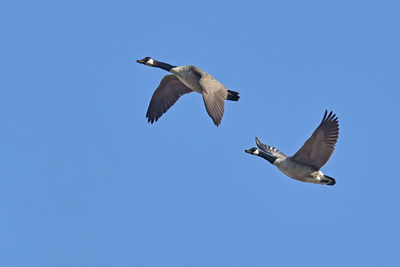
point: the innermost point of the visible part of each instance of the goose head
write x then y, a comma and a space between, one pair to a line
146, 61
257, 152
253, 151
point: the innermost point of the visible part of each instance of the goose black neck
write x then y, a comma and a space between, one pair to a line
162, 65
268, 157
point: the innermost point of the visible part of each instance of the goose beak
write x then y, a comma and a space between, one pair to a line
248, 151
141, 61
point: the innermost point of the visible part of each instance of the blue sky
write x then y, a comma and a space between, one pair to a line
86, 181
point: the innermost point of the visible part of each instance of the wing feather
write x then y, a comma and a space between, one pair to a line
166, 94
317, 150
270, 150
214, 96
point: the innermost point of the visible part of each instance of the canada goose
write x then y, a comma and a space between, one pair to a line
184, 80
305, 165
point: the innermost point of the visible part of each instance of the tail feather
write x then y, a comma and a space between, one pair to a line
233, 96
328, 180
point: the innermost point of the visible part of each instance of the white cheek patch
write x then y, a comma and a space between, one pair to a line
150, 62
256, 152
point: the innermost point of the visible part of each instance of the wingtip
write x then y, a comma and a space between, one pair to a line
326, 113
216, 123
150, 120
331, 116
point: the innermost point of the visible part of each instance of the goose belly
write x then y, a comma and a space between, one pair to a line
297, 170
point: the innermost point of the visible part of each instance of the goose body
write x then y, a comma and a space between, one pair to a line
189, 76
305, 165
298, 171
183, 80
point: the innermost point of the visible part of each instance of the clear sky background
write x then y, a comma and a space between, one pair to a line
86, 181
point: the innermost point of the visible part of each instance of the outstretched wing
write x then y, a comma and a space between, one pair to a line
166, 94
270, 150
214, 96
317, 150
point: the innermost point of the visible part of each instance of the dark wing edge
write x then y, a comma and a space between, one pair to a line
330, 126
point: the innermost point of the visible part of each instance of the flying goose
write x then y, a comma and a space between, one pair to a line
183, 80
305, 165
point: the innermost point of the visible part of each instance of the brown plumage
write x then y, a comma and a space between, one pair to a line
166, 94
317, 150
